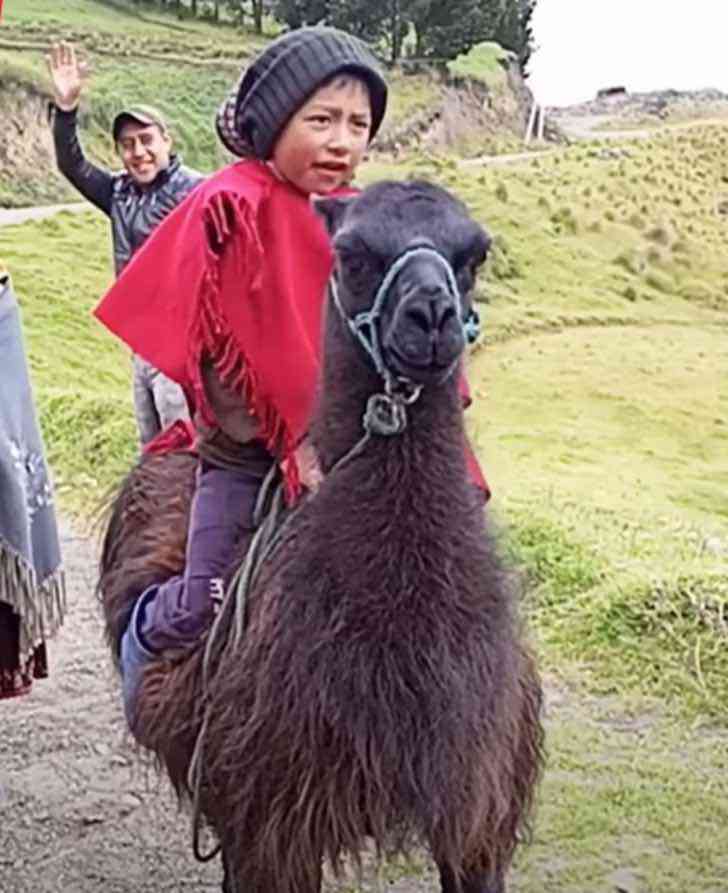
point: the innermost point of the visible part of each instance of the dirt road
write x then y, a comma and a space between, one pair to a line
78, 811
13, 216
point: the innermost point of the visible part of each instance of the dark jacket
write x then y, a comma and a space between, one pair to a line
134, 212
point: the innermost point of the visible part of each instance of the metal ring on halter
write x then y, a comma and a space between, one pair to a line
402, 388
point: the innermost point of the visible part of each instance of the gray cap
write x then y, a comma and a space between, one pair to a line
282, 78
141, 114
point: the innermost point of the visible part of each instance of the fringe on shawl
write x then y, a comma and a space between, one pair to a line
41, 604
211, 334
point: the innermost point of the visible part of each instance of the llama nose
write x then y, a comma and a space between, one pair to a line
432, 310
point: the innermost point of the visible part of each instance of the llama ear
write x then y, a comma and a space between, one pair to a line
332, 210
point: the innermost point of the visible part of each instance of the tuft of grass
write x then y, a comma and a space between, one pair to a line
565, 220
502, 263
501, 192
660, 234
660, 282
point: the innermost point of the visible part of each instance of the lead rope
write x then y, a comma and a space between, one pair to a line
385, 416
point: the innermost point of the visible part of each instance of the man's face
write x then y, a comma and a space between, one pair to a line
321, 146
144, 150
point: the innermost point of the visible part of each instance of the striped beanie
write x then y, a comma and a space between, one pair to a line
282, 78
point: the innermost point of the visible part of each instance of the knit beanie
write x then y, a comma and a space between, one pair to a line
282, 78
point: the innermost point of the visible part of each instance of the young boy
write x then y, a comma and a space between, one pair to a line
153, 182
234, 279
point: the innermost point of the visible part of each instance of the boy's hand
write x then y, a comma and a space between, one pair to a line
67, 75
309, 469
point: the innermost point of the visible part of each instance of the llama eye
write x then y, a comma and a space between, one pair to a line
353, 263
357, 260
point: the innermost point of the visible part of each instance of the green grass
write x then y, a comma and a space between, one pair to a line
81, 375
602, 420
629, 795
85, 19
601, 406
409, 96
631, 800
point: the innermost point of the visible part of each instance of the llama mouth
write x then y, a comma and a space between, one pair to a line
430, 370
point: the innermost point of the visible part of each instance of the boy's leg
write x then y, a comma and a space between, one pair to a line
134, 657
169, 399
144, 410
221, 518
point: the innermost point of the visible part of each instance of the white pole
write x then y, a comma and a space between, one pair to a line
531, 122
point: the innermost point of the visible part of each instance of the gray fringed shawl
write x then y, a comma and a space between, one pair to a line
31, 579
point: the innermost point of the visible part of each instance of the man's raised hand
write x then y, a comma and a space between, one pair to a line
67, 75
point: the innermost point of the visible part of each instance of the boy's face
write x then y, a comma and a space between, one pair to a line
322, 144
144, 151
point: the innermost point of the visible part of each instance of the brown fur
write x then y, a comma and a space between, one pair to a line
383, 687
146, 535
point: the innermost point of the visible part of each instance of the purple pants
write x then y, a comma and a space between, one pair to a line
175, 614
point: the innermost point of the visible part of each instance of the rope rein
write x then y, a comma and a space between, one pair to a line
385, 416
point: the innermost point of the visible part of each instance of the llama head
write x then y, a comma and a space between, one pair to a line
407, 254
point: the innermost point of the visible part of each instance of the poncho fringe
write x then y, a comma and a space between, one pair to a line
211, 335
40, 604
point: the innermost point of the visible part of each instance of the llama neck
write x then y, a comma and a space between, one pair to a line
434, 426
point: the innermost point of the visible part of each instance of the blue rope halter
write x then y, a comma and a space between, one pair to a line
386, 414
364, 326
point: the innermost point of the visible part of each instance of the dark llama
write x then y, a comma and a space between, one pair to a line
382, 687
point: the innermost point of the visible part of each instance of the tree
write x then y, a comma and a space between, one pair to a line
297, 13
258, 10
444, 30
362, 18
515, 31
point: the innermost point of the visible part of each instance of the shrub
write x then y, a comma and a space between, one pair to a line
502, 263
631, 261
659, 234
501, 192
565, 219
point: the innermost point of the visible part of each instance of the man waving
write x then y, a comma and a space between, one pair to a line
152, 183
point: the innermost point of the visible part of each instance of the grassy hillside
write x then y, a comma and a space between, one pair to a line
602, 398
603, 401
184, 68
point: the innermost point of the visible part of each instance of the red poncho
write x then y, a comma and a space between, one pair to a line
229, 273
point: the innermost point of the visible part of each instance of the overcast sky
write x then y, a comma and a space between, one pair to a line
642, 44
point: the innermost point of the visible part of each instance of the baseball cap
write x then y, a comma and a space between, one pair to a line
142, 114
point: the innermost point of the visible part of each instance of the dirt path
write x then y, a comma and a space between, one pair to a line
14, 216
78, 811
